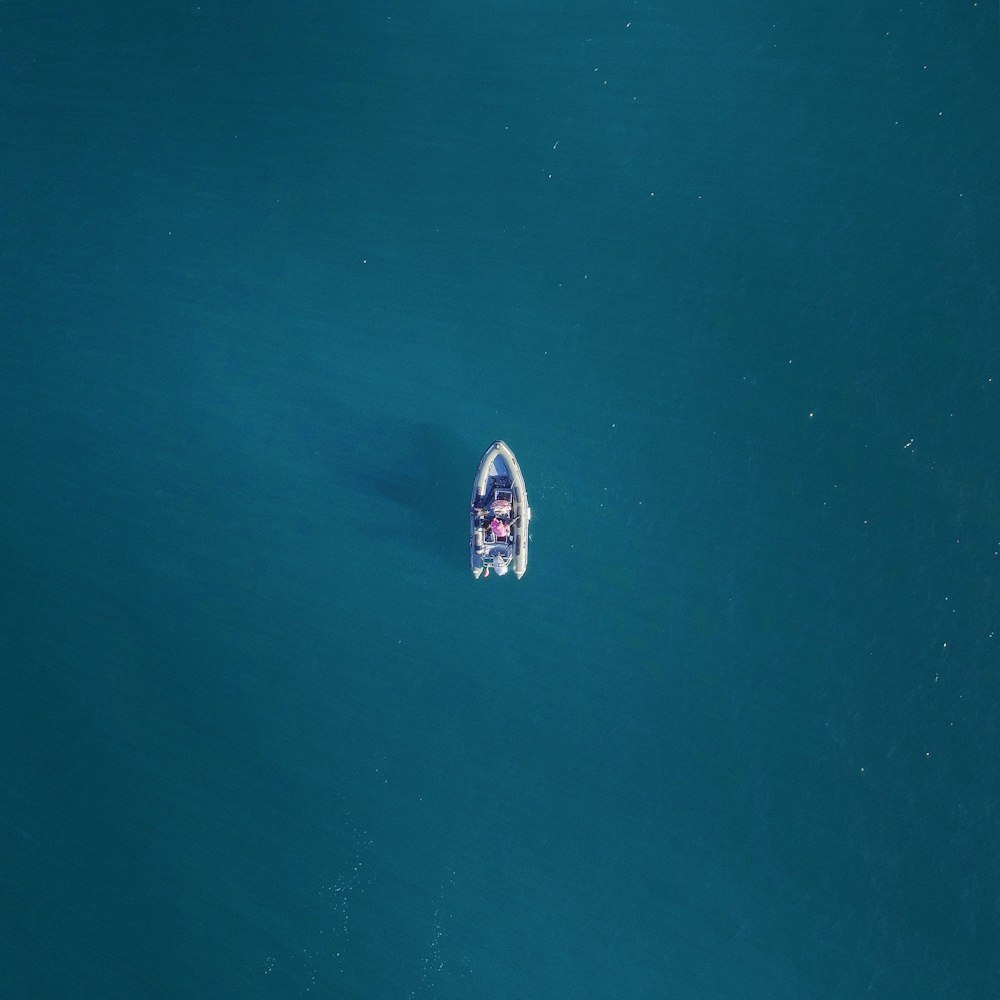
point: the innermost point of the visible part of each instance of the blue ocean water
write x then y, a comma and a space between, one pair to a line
725, 278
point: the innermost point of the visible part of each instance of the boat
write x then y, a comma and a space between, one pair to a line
499, 515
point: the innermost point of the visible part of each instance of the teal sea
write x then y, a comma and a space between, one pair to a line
726, 277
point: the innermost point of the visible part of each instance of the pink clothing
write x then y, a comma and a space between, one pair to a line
499, 528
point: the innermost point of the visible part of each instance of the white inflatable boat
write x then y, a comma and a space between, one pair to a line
498, 519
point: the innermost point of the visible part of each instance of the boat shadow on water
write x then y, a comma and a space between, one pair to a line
424, 472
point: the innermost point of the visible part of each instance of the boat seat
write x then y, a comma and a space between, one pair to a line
501, 505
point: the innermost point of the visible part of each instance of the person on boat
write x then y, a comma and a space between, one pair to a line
499, 528
500, 506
